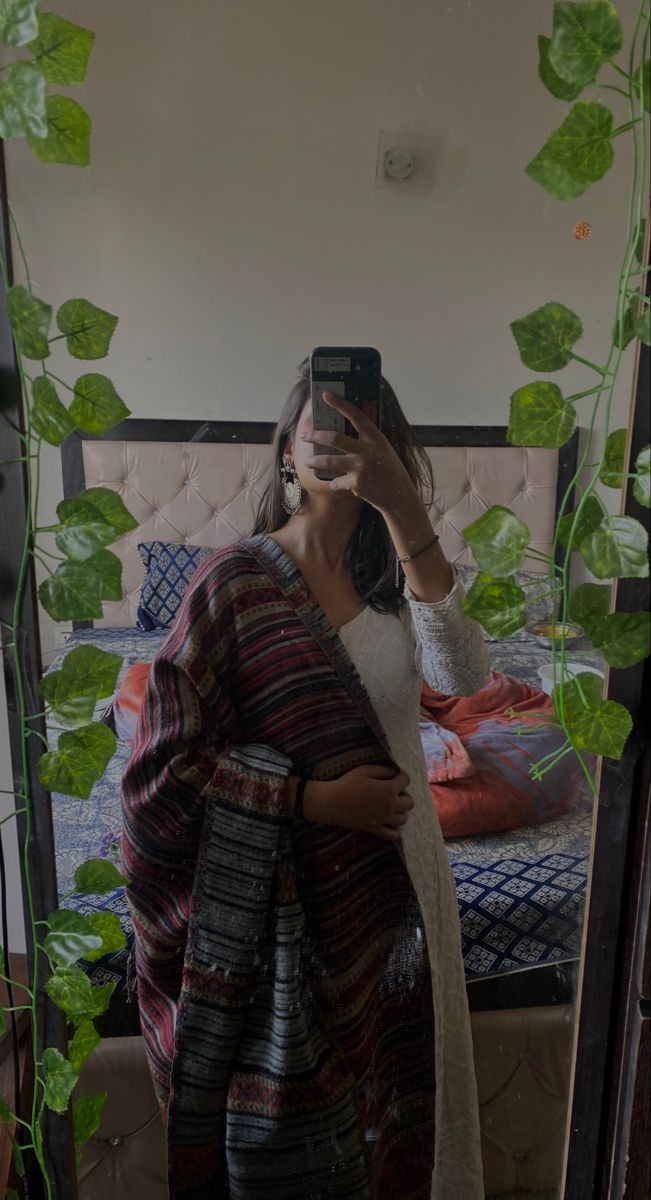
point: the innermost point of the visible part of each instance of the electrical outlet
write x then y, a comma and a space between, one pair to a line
415, 147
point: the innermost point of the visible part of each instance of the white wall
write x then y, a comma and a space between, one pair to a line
230, 219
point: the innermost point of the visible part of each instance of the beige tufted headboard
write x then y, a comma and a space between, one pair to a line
200, 482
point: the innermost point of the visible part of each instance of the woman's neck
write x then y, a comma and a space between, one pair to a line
320, 534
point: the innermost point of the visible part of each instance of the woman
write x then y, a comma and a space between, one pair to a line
297, 940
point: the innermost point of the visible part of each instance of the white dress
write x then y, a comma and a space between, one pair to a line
392, 654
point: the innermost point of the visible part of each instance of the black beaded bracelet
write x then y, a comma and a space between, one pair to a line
300, 791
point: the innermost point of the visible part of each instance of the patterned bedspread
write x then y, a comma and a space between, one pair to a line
521, 894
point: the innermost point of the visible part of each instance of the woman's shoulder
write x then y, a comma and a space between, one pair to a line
224, 566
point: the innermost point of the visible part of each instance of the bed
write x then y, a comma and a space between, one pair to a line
521, 893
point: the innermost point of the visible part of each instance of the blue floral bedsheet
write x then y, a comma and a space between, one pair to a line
521, 894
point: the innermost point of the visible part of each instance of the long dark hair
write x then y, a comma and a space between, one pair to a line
370, 554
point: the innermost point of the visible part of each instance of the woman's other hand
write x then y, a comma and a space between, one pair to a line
371, 798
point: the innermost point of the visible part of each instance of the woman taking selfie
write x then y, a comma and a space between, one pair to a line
298, 949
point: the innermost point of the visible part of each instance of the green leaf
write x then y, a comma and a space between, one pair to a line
112, 508
624, 332
540, 416
71, 593
66, 946
60, 1078
18, 21
597, 727
75, 591
79, 761
71, 990
96, 406
108, 928
87, 1116
108, 569
50, 418
65, 920
588, 603
589, 518
623, 638
62, 49
68, 133
617, 549
17, 1155
30, 322
498, 541
558, 87
98, 876
91, 521
585, 36
6, 1114
641, 488
498, 604
12, 1194
82, 529
546, 336
83, 1043
88, 329
88, 674
577, 154
576, 696
611, 473
22, 102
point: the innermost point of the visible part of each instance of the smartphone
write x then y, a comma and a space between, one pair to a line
354, 372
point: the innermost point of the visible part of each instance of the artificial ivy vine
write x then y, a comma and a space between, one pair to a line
58, 130
585, 39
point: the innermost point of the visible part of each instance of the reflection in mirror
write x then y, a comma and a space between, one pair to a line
347, 959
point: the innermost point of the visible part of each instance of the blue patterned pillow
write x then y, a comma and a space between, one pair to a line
169, 568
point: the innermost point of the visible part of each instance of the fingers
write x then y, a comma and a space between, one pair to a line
387, 834
404, 803
329, 462
331, 437
357, 418
401, 781
375, 771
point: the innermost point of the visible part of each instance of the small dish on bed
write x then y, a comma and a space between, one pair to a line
548, 632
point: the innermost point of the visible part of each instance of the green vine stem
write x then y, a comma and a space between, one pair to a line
22, 717
634, 217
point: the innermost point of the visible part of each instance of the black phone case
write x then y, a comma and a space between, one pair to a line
354, 372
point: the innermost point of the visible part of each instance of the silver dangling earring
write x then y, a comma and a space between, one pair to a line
291, 488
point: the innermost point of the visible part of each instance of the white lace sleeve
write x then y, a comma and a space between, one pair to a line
450, 651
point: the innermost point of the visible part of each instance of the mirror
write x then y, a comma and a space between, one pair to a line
267, 179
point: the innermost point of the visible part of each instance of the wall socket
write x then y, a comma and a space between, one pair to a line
415, 144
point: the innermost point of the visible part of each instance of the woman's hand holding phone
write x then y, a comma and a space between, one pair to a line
368, 467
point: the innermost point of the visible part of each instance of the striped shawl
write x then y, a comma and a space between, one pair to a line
283, 975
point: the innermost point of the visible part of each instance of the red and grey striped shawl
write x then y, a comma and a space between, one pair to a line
283, 976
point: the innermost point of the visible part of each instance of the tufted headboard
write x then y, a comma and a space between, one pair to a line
200, 482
